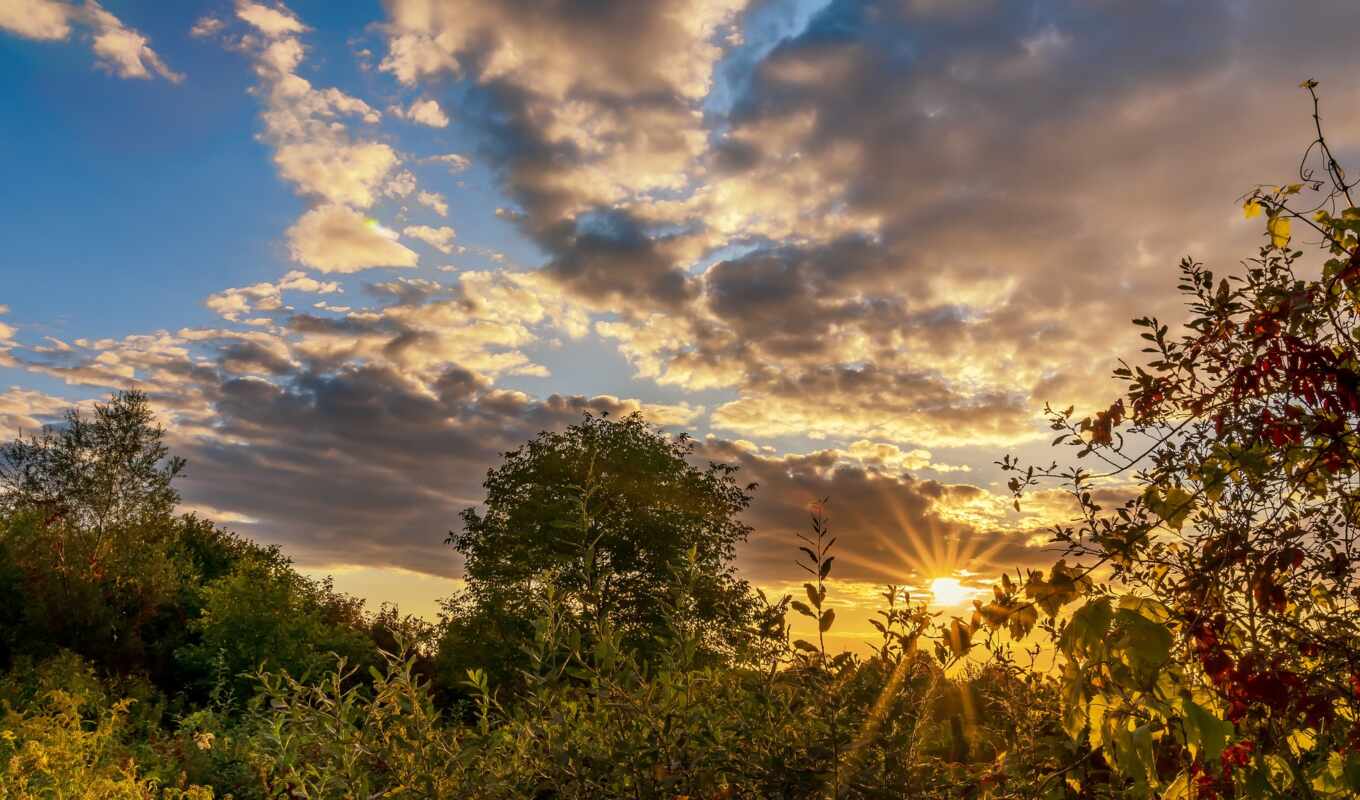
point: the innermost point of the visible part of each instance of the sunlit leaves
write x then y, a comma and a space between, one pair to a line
1205, 734
1278, 227
959, 637
1062, 585
1173, 504
1088, 628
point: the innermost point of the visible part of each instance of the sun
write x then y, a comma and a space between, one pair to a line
949, 592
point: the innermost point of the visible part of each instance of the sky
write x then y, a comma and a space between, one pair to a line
356, 251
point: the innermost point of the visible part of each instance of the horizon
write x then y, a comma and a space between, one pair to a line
354, 254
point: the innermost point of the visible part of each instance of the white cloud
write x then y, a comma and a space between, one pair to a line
339, 172
206, 26
453, 161
231, 304
440, 238
122, 50
273, 22
334, 238
435, 201
36, 19
890, 456
423, 112
315, 151
25, 410
119, 49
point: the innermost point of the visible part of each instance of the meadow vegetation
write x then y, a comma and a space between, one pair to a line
1204, 629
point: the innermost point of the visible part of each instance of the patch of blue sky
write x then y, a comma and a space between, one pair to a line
764, 27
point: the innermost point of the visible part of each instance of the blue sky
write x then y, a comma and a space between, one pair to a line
354, 251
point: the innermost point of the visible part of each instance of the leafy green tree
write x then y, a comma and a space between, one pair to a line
606, 511
265, 616
100, 473
87, 525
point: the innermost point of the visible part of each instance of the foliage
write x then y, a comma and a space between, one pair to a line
69, 741
267, 617
1216, 654
609, 507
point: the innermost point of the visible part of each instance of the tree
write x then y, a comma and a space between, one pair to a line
1217, 650
98, 472
606, 511
87, 524
265, 616
94, 559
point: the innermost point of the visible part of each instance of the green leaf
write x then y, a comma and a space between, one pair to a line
1205, 734
826, 566
1086, 632
1073, 694
828, 617
1278, 774
1145, 645
1173, 505
1134, 756
802, 608
1179, 788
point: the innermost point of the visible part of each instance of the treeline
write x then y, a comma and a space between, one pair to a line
604, 648
1205, 631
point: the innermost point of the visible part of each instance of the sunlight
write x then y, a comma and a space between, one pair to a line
949, 592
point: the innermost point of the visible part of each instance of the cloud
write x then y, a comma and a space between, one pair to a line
25, 411
334, 238
315, 150
207, 26
435, 202
119, 49
897, 223
588, 109
337, 172
440, 238
456, 163
122, 50
272, 21
890, 456
232, 304
423, 112
890, 527
37, 19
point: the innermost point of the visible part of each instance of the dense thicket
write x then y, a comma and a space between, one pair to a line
1204, 631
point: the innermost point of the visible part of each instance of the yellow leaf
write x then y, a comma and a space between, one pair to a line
1301, 741
1251, 209
1179, 788
1279, 231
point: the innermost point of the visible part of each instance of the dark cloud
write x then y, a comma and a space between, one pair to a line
361, 466
609, 256
890, 527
